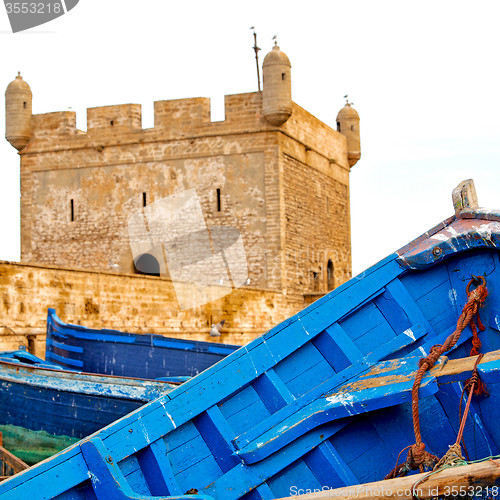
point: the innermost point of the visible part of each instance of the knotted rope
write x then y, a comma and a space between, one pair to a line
418, 457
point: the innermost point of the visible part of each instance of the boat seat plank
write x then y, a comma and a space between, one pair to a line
358, 397
323, 410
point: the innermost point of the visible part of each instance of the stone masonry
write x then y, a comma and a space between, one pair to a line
275, 172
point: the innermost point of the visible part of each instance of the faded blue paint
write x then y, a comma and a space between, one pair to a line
326, 390
112, 352
38, 396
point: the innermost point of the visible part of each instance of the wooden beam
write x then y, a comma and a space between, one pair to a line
444, 370
12, 461
456, 480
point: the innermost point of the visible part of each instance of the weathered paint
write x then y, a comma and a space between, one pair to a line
112, 352
279, 412
38, 396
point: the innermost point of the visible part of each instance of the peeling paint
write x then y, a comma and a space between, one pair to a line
410, 334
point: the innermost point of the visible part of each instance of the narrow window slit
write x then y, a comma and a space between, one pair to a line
218, 201
72, 211
144, 200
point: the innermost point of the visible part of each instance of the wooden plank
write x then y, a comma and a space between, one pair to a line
405, 301
157, 469
361, 395
340, 338
273, 392
329, 385
459, 480
217, 434
16, 464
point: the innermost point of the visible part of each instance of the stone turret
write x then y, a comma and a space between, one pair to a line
348, 124
277, 93
18, 100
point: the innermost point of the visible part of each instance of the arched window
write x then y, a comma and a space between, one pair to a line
147, 264
330, 276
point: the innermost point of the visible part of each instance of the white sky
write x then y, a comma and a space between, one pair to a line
424, 77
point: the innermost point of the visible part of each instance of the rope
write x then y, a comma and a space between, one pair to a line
418, 457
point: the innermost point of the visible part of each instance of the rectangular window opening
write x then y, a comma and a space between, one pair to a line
24, 105
218, 201
352, 127
144, 199
31, 344
72, 211
338, 126
282, 76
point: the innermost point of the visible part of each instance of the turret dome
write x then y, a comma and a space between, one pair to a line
348, 124
277, 94
347, 112
18, 104
18, 84
276, 56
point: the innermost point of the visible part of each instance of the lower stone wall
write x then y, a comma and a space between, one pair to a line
127, 302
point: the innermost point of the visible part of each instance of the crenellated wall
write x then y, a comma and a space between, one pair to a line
79, 189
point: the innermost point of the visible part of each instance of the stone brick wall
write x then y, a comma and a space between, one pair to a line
285, 188
133, 303
317, 228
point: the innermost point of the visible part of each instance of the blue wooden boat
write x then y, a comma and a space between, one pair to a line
42, 403
111, 352
322, 400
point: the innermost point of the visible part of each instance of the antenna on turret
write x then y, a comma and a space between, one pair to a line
256, 49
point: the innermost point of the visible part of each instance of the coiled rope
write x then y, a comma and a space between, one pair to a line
418, 457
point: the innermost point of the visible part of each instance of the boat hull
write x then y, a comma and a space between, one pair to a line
67, 406
111, 352
322, 400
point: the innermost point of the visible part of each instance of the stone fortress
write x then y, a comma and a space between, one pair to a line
270, 169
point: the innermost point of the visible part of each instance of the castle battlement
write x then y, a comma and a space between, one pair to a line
270, 169
185, 119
